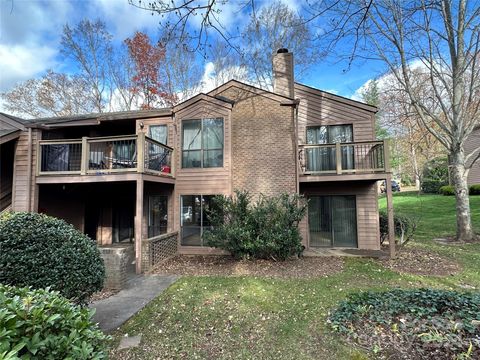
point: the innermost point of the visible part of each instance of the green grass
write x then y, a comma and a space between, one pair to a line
248, 317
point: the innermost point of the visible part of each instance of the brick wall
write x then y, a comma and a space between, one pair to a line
263, 144
117, 260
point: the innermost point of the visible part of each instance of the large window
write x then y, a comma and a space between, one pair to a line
202, 143
157, 215
159, 133
324, 158
193, 218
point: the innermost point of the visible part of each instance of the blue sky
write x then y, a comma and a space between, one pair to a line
30, 31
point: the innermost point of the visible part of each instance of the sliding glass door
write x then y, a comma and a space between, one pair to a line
332, 221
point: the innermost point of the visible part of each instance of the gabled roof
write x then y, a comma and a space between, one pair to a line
252, 89
335, 97
96, 118
218, 101
10, 127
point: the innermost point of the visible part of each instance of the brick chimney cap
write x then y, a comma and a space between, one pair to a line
282, 51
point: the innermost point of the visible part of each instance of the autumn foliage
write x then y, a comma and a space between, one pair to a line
146, 79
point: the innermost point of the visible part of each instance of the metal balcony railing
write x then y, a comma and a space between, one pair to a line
104, 155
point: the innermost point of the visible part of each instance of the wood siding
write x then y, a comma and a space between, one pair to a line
20, 173
368, 231
318, 109
472, 143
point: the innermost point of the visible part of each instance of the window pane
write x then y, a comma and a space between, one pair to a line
317, 135
158, 132
212, 134
191, 220
157, 221
340, 133
212, 158
191, 138
191, 159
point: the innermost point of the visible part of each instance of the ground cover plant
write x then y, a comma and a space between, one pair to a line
412, 324
41, 324
41, 251
256, 316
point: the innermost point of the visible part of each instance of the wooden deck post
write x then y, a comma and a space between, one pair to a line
391, 224
140, 152
386, 155
84, 157
138, 226
338, 153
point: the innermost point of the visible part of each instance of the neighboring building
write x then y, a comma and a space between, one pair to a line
472, 143
131, 176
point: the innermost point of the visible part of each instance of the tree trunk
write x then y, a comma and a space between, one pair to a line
464, 221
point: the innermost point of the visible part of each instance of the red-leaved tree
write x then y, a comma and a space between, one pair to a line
147, 79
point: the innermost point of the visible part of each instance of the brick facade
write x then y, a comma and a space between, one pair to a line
263, 144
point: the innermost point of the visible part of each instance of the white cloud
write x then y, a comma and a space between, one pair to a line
21, 62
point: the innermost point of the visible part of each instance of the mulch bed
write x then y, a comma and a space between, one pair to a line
421, 262
227, 266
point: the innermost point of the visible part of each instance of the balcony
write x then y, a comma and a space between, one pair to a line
104, 155
366, 159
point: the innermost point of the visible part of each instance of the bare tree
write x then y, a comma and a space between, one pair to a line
89, 45
272, 27
444, 37
52, 95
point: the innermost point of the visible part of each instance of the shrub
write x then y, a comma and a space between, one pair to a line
41, 251
405, 227
435, 175
267, 229
41, 324
447, 190
475, 189
419, 323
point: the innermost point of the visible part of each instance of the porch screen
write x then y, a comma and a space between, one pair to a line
324, 158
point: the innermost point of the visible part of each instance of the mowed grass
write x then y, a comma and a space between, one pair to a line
259, 318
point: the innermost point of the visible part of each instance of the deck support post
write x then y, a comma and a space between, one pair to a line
338, 157
391, 223
138, 225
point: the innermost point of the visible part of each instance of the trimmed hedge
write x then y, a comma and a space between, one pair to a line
41, 251
447, 190
41, 324
412, 324
475, 189
435, 175
266, 229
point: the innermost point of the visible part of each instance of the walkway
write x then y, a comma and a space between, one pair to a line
112, 312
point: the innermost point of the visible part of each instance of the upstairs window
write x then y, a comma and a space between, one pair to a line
158, 133
329, 134
202, 143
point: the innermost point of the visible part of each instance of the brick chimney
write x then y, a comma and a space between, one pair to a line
283, 73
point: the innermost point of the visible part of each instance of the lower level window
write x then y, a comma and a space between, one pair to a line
157, 215
193, 218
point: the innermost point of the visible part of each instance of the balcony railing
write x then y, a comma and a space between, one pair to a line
104, 155
344, 158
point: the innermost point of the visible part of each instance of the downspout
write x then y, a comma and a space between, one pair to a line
29, 170
297, 161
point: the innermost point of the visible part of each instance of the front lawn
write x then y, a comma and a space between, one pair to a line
248, 317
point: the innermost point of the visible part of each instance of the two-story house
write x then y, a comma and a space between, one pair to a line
147, 177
